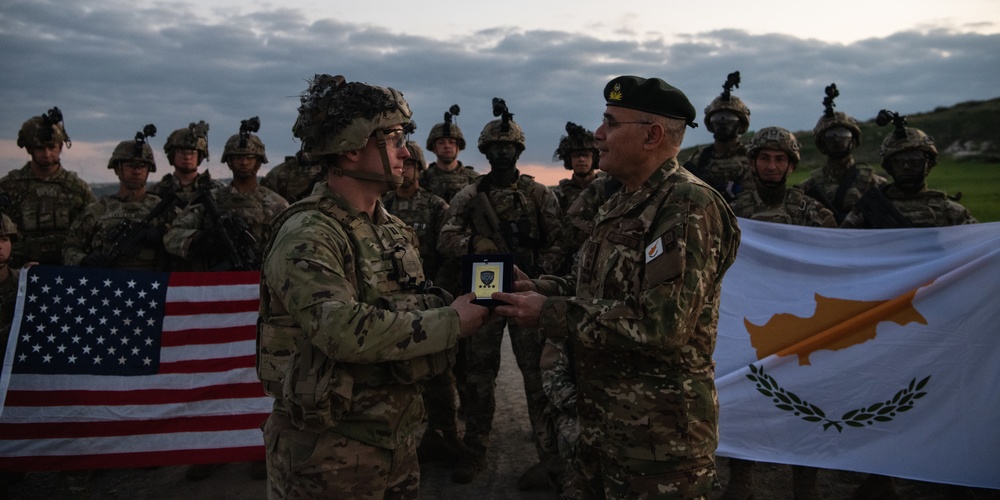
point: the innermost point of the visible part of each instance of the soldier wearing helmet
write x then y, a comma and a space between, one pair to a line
239, 214
186, 149
578, 153
840, 182
349, 328
723, 164
908, 154
528, 219
447, 175
773, 154
123, 230
425, 211
45, 197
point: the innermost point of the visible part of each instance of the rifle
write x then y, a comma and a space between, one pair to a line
486, 223
879, 211
239, 242
127, 235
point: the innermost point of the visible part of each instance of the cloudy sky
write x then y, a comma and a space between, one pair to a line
113, 66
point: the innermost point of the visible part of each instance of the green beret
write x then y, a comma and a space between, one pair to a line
650, 95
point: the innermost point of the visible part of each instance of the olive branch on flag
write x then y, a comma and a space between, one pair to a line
861, 417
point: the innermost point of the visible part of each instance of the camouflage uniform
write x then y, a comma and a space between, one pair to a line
44, 210
568, 191
927, 208
322, 278
834, 182
425, 213
729, 174
292, 180
447, 184
257, 209
642, 326
94, 229
532, 204
170, 185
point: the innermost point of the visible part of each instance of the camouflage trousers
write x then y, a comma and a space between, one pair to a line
482, 358
329, 465
440, 403
607, 476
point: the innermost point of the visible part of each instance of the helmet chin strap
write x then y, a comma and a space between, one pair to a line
392, 181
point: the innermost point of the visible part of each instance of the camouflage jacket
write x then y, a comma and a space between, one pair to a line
527, 206
782, 205
582, 212
44, 210
293, 181
95, 231
824, 184
447, 184
170, 184
926, 208
8, 299
569, 190
729, 175
644, 317
339, 290
425, 213
256, 209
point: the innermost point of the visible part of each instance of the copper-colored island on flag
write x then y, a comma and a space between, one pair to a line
111, 369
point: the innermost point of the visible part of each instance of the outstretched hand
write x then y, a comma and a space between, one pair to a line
471, 317
523, 308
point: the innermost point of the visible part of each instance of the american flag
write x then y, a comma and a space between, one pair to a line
111, 369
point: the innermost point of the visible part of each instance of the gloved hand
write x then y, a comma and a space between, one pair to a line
482, 244
206, 244
152, 236
96, 259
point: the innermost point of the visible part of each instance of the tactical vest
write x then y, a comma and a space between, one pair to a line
446, 184
44, 210
520, 214
789, 211
117, 220
316, 390
927, 209
840, 197
726, 175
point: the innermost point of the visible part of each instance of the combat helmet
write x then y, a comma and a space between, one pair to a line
195, 136
503, 129
245, 142
904, 138
831, 119
447, 129
417, 155
775, 138
727, 101
44, 129
135, 150
337, 116
577, 138
8, 228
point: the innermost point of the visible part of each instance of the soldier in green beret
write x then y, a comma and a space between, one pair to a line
349, 329
642, 311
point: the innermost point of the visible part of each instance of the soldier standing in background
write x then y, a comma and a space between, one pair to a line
908, 155
294, 178
774, 153
723, 164
447, 175
45, 198
527, 218
8, 284
226, 228
642, 312
841, 181
425, 212
348, 327
578, 154
123, 230
580, 214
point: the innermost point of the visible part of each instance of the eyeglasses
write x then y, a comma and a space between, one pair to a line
610, 122
134, 165
185, 152
395, 137
908, 163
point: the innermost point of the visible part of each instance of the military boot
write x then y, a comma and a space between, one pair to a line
467, 470
740, 486
535, 478
444, 446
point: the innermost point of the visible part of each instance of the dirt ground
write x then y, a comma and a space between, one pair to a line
511, 454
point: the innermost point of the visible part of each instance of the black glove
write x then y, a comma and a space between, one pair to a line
96, 259
152, 236
205, 244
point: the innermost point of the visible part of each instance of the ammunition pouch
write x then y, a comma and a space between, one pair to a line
317, 390
275, 345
